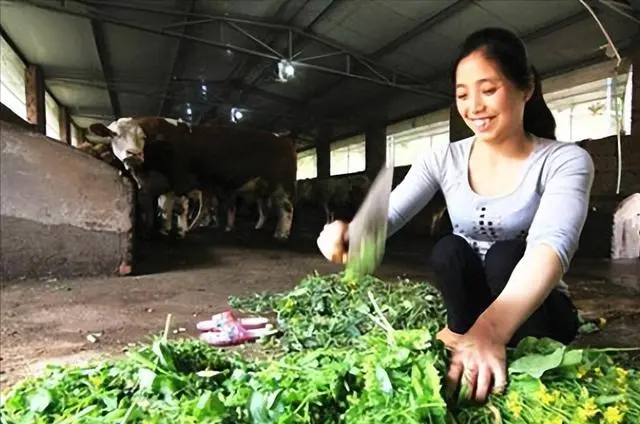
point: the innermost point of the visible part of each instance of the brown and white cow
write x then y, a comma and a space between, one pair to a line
238, 161
148, 147
334, 193
227, 159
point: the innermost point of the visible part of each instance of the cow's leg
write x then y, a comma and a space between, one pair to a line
284, 205
205, 218
146, 212
165, 203
327, 213
231, 215
262, 218
213, 212
197, 196
183, 225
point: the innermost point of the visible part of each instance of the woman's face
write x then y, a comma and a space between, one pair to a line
490, 104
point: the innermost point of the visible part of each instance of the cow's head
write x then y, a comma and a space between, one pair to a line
126, 138
304, 190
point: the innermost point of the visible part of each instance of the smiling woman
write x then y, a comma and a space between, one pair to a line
500, 272
502, 60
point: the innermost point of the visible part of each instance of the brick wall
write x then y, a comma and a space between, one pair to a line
604, 152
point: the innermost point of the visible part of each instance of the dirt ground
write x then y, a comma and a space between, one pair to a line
48, 321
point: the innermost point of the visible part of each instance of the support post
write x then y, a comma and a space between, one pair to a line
34, 87
375, 147
65, 126
323, 152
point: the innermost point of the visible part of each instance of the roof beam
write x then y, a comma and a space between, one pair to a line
624, 47
239, 85
235, 79
295, 39
300, 43
419, 29
176, 59
529, 37
107, 72
555, 26
125, 86
247, 64
388, 80
279, 98
393, 45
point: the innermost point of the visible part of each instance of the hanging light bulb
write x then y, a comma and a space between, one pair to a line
236, 115
286, 71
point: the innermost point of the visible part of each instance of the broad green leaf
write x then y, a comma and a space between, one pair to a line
434, 382
533, 345
76, 417
416, 380
607, 400
258, 409
209, 405
161, 350
272, 398
524, 383
572, 357
384, 381
536, 365
402, 354
146, 377
40, 400
110, 402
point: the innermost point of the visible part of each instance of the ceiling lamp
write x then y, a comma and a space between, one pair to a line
236, 115
286, 70
188, 112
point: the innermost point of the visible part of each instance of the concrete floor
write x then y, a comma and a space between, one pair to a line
48, 320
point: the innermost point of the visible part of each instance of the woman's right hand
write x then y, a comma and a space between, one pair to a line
332, 241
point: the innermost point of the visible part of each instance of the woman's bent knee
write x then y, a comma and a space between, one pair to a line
447, 248
503, 256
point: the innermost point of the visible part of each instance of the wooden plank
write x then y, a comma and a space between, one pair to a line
34, 86
65, 125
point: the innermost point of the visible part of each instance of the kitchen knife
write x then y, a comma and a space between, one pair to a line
368, 230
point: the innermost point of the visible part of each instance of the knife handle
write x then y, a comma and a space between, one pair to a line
333, 243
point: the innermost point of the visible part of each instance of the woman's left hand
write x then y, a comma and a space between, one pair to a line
479, 360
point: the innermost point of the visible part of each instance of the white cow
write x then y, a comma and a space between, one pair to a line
626, 229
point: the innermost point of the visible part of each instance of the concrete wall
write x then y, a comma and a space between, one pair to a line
63, 213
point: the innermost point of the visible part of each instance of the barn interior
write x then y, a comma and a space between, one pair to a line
351, 81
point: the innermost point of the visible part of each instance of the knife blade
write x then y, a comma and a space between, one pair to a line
367, 232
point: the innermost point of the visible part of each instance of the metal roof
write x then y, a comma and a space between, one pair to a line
354, 60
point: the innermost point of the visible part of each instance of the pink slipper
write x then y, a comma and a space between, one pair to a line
232, 333
219, 320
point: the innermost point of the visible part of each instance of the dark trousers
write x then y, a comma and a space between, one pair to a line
469, 287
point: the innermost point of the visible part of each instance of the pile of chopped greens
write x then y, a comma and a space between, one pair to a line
348, 353
332, 311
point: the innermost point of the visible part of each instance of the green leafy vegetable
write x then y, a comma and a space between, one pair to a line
353, 351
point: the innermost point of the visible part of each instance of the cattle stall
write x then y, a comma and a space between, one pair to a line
64, 213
